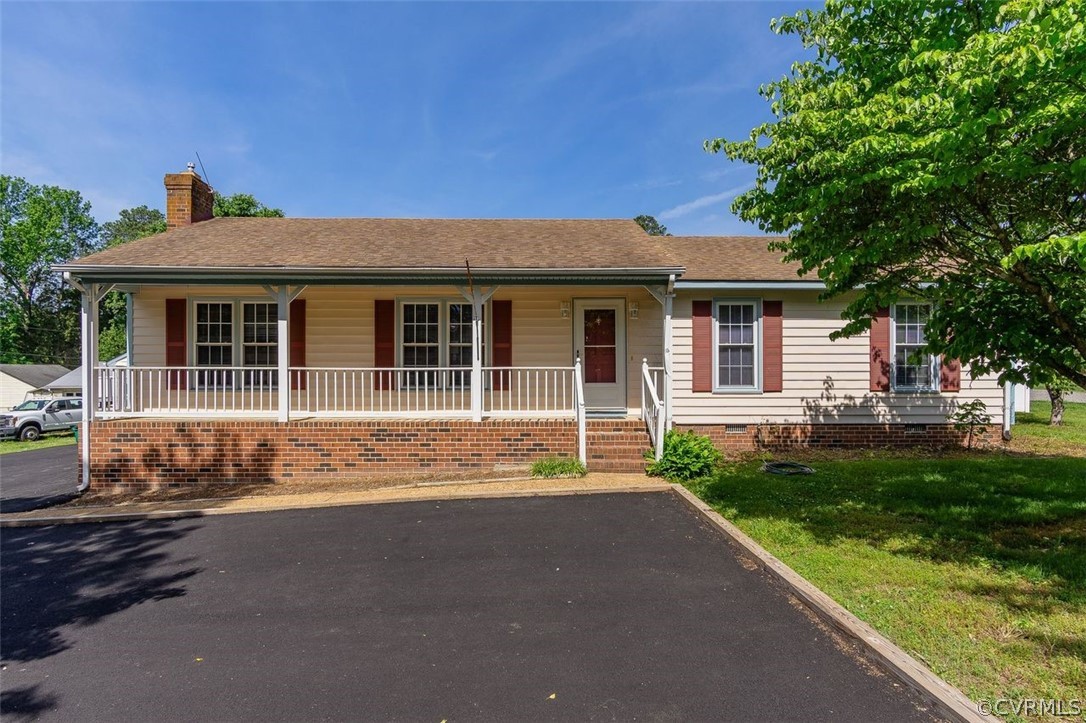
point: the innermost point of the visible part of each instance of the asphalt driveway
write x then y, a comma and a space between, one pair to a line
37, 478
603, 607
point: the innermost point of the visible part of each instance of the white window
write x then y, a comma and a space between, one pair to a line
218, 342
737, 345
214, 334
914, 369
436, 333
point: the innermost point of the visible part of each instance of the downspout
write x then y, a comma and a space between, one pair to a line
86, 327
1008, 410
128, 302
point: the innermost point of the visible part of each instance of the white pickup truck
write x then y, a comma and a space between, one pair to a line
32, 418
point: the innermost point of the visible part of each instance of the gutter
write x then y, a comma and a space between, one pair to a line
797, 284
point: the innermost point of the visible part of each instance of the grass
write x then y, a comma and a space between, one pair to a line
1032, 434
558, 467
974, 563
58, 439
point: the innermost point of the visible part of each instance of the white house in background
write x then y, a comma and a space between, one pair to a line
264, 349
71, 383
19, 380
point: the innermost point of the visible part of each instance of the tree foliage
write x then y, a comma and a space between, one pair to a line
243, 204
131, 224
39, 313
937, 150
651, 225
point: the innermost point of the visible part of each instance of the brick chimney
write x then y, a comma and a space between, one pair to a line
188, 198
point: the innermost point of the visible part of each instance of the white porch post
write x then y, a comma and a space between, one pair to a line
283, 345
666, 296
89, 354
478, 298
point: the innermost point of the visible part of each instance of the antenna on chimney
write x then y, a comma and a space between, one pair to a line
202, 169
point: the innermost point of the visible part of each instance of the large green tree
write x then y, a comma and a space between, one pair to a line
243, 204
39, 313
936, 150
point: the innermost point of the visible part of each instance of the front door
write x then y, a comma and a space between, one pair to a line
599, 340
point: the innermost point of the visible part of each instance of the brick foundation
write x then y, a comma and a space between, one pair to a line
144, 454
754, 437
148, 454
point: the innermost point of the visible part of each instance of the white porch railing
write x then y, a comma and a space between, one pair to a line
336, 392
653, 411
529, 391
186, 391
386, 393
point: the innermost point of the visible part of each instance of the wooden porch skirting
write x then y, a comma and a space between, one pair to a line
140, 454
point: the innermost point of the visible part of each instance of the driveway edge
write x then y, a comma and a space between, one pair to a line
436, 496
946, 700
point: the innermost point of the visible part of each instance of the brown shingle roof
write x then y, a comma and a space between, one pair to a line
731, 258
388, 243
399, 243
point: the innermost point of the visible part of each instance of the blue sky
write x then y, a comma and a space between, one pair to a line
394, 109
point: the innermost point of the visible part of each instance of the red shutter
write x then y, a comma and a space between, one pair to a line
501, 339
176, 353
703, 346
297, 342
880, 351
384, 342
950, 375
772, 346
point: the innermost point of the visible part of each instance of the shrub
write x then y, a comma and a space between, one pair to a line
972, 418
687, 456
558, 467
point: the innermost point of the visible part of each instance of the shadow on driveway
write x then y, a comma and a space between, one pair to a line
37, 478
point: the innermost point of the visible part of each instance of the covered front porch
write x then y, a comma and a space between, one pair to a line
477, 352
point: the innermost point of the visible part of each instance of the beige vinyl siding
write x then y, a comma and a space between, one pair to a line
824, 381
12, 391
339, 323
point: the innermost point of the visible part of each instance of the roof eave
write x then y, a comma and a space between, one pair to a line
749, 284
326, 275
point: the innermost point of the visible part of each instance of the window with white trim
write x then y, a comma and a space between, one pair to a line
217, 342
736, 348
436, 333
914, 369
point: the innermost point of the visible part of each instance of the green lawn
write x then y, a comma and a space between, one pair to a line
975, 564
1032, 434
58, 439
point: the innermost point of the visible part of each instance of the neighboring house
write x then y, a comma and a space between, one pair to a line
70, 384
271, 348
19, 380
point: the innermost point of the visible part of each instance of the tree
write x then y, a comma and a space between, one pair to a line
1057, 388
40, 226
131, 224
937, 150
243, 204
651, 225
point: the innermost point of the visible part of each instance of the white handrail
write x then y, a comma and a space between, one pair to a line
652, 409
582, 440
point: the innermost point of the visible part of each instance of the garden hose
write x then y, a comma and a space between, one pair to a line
786, 468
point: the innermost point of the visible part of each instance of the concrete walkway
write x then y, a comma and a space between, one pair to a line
167, 509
